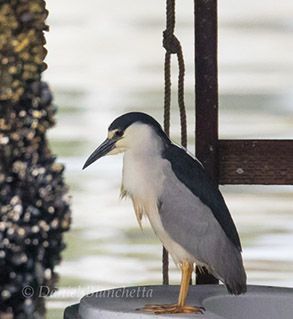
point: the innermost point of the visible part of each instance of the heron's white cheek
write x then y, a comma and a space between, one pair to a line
141, 139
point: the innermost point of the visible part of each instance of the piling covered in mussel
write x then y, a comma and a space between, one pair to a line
34, 203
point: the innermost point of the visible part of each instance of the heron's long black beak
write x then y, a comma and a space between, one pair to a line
107, 146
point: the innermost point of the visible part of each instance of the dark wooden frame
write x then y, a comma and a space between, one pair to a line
267, 162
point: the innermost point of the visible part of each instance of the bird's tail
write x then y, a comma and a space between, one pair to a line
231, 271
237, 287
235, 279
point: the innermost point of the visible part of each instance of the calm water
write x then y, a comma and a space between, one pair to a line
105, 59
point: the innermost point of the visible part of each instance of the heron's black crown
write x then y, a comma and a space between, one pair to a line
122, 122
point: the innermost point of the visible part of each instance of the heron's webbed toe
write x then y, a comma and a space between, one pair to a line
171, 309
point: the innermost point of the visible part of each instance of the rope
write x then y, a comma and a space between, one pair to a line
167, 93
172, 46
181, 98
165, 259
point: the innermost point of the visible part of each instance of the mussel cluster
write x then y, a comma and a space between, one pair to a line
34, 202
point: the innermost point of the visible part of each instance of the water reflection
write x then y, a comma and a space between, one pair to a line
111, 62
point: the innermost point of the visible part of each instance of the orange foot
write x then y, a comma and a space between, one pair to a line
171, 309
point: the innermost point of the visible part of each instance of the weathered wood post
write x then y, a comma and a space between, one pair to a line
206, 89
34, 204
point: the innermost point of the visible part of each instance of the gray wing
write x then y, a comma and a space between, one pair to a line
192, 225
192, 174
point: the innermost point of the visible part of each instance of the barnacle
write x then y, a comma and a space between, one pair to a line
34, 204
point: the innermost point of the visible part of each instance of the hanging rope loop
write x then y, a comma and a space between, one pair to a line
172, 46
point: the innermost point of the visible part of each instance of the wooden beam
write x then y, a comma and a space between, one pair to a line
267, 162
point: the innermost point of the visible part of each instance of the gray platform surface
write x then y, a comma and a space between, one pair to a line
260, 302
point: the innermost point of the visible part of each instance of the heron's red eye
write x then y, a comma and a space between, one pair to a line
119, 133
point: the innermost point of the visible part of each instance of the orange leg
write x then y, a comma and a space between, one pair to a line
180, 307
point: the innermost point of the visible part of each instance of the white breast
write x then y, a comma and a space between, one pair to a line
143, 178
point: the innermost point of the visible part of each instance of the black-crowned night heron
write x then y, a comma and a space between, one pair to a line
184, 206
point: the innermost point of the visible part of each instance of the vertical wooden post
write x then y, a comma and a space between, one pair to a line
206, 89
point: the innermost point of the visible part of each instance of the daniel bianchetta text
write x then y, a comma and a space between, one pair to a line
72, 292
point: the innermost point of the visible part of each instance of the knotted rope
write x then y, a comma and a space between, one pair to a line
172, 46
